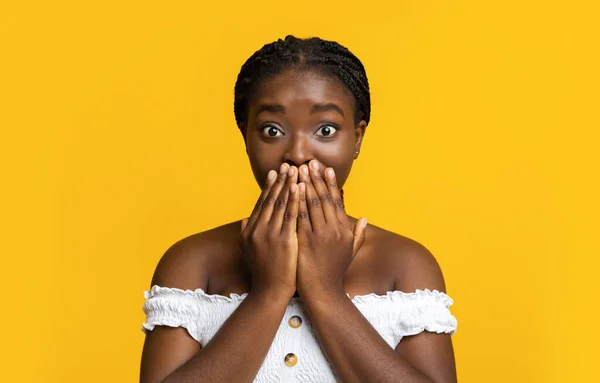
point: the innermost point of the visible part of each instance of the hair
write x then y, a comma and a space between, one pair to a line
328, 57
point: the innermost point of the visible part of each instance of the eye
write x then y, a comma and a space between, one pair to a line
326, 131
271, 131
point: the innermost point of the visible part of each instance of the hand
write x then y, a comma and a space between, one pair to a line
268, 238
327, 242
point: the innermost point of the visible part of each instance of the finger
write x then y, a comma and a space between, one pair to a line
314, 204
359, 235
304, 224
336, 195
303, 174
269, 202
244, 224
271, 176
290, 218
281, 203
323, 193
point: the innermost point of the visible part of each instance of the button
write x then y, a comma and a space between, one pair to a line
291, 360
295, 321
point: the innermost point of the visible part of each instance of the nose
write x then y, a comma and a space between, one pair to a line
298, 152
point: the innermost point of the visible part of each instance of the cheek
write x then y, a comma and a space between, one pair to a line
341, 160
341, 165
261, 165
260, 174
342, 172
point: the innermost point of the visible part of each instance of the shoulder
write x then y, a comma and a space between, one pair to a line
413, 266
187, 264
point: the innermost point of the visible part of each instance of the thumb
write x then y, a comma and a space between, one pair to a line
359, 235
244, 223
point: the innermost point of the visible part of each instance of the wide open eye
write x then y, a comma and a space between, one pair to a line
271, 131
326, 131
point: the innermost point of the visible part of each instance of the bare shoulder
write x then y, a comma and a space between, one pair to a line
188, 263
412, 264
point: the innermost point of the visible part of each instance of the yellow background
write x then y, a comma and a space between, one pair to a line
118, 139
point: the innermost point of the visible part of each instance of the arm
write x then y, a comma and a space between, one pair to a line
236, 352
327, 245
358, 353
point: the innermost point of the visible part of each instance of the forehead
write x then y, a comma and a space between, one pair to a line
293, 86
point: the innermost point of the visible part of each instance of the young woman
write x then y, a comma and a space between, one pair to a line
299, 291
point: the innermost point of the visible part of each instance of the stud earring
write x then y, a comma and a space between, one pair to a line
356, 155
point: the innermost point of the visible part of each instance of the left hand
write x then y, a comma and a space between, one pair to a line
327, 242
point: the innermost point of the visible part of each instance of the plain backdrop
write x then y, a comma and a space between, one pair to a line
118, 139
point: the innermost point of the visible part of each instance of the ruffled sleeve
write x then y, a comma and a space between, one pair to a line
199, 313
170, 307
426, 310
398, 314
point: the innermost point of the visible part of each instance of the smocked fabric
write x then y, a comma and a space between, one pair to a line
394, 315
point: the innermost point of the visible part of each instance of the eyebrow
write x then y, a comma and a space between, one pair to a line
269, 108
317, 108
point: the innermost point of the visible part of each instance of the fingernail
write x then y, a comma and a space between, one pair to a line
293, 188
315, 165
365, 222
304, 169
283, 168
271, 175
292, 171
330, 173
301, 187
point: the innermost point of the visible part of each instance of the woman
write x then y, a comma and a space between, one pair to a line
299, 291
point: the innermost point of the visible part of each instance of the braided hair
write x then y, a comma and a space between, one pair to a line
313, 53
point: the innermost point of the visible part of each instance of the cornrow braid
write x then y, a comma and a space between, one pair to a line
312, 53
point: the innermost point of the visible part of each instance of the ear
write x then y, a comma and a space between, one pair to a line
359, 133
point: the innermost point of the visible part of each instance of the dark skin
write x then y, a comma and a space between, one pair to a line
299, 239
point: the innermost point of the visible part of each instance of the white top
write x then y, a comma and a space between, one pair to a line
394, 315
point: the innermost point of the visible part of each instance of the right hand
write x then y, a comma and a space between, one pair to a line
268, 238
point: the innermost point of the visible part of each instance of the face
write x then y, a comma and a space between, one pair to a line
297, 117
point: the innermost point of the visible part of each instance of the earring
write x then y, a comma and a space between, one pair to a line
356, 155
